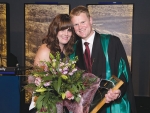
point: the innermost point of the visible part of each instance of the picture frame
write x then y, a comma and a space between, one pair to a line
113, 83
4, 38
115, 19
37, 19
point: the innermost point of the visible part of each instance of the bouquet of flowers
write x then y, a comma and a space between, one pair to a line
57, 81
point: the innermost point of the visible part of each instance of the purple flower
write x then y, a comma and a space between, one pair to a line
38, 81
65, 68
45, 68
65, 72
47, 83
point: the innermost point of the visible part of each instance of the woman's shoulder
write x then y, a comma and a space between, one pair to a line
42, 54
44, 48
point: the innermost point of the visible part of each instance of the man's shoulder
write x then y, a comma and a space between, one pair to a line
97, 34
112, 37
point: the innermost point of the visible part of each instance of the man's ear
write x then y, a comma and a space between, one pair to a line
91, 20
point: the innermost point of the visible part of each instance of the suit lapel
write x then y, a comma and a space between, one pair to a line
95, 49
97, 55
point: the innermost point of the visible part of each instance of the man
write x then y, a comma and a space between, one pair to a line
107, 58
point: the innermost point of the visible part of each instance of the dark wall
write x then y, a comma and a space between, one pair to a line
140, 45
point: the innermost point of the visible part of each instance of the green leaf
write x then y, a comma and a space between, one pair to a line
51, 69
51, 56
47, 78
57, 84
39, 102
53, 108
57, 56
63, 95
30, 86
77, 99
47, 94
75, 88
48, 63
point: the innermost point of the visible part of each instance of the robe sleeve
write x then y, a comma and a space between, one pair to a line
121, 54
127, 87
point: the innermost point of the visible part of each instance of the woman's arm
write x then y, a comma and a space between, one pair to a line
42, 55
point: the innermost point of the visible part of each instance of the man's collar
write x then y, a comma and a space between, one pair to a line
90, 39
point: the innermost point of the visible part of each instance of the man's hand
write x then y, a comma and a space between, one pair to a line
112, 95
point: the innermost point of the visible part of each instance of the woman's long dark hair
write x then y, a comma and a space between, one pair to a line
60, 22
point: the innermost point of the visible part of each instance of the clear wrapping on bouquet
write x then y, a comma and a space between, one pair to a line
113, 83
86, 97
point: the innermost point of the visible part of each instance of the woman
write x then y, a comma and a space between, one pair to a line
60, 38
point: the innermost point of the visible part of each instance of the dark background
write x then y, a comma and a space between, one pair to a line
140, 41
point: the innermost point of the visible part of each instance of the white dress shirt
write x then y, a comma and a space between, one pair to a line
90, 41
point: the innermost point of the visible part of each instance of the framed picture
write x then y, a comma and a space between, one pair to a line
3, 34
114, 83
115, 19
37, 20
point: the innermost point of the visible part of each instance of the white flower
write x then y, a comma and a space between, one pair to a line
70, 73
54, 72
74, 70
79, 95
61, 64
73, 62
46, 74
60, 70
54, 60
71, 98
67, 64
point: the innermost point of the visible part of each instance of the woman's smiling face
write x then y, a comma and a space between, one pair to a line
64, 36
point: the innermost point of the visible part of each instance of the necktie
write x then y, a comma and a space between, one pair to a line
87, 57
